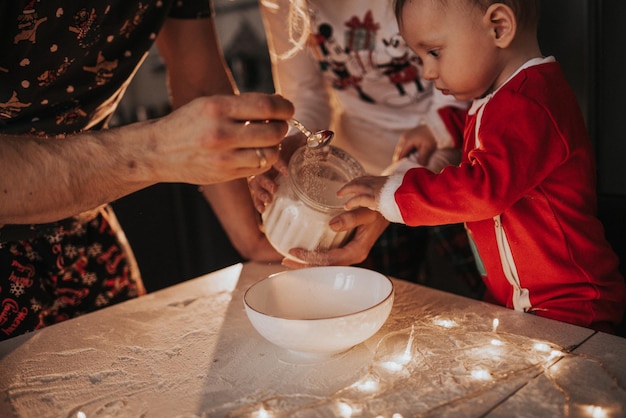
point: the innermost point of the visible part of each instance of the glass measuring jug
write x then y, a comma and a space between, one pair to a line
306, 200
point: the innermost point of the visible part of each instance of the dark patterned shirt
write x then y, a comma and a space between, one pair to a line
64, 66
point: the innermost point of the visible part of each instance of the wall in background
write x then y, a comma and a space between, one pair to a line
588, 37
564, 31
609, 94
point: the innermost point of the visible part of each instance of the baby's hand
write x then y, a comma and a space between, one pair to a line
419, 139
263, 186
365, 190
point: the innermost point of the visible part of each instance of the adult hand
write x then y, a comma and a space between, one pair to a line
369, 225
419, 139
262, 186
218, 138
203, 142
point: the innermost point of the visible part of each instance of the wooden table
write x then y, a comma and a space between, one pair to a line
190, 351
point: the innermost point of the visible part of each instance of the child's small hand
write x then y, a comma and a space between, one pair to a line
419, 139
263, 186
365, 191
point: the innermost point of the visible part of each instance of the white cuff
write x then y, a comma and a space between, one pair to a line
387, 205
402, 165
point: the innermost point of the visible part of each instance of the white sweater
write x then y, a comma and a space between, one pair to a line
356, 76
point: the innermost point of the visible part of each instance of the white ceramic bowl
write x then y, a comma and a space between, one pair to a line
320, 310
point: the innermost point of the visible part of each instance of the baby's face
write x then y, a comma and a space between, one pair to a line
455, 43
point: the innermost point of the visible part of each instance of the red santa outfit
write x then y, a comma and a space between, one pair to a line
526, 191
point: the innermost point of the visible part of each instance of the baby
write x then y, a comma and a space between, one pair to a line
525, 187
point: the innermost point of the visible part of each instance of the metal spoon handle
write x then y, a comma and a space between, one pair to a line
314, 140
301, 128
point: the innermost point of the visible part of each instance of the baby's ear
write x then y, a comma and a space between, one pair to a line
503, 24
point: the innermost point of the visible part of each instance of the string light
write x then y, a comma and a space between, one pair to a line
555, 353
369, 384
446, 323
345, 410
481, 374
496, 322
542, 347
263, 413
399, 360
595, 411
476, 355
392, 366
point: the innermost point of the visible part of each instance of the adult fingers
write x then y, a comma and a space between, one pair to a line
348, 220
369, 226
293, 264
256, 107
309, 258
264, 118
230, 122
357, 249
345, 256
255, 133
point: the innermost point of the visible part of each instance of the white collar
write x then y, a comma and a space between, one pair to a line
477, 103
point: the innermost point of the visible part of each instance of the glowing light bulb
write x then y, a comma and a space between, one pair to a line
595, 411
446, 323
345, 410
554, 354
263, 413
481, 374
542, 347
496, 342
81, 414
392, 366
398, 361
369, 384
496, 322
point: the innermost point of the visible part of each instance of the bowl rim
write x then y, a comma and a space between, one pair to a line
384, 300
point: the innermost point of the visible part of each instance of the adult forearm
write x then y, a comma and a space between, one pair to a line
44, 180
203, 142
194, 60
232, 204
196, 68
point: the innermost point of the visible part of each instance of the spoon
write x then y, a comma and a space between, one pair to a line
314, 140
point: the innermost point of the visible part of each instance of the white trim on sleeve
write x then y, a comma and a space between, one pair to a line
387, 205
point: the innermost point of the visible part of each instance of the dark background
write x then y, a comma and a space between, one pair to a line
176, 237
588, 37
